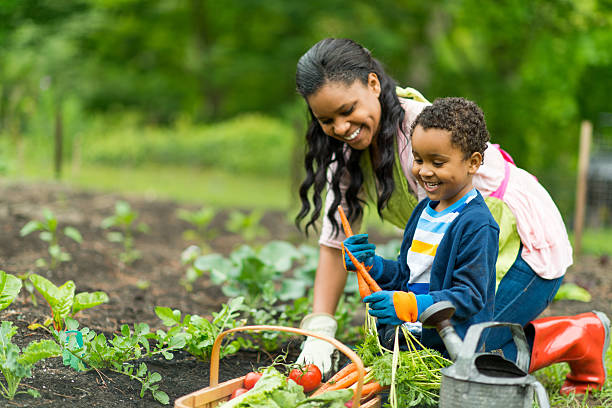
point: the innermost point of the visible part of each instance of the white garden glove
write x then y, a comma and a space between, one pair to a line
319, 352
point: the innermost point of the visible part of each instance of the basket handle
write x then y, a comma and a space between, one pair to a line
214, 356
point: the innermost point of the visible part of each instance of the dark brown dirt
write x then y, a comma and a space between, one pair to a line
95, 266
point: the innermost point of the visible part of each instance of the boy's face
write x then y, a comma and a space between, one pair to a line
441, 167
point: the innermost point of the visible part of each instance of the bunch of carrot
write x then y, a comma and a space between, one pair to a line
347, 378
367, 285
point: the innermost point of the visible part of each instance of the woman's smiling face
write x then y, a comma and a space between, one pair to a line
349, 113
441, 167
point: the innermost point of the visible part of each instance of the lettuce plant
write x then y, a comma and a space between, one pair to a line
16, 364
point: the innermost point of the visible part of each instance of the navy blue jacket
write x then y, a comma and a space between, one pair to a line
463, 270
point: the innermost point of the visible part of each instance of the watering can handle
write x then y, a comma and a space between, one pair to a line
541, 394
470, 343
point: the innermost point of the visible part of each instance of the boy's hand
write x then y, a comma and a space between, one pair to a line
361, 249
393, 307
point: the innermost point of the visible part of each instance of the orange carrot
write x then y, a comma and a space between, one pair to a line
362, 276
344, 382
371, 388
345, 224
346, 370
364, 273
364, 289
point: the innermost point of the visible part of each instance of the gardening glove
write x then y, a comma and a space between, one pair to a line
319, 352
396, 307
361, 249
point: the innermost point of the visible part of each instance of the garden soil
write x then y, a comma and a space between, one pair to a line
153, 280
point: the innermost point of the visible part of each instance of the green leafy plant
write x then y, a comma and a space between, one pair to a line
200, 333
49, 233
16, 365
97, 352
256, 274
247, 225
571, 291
200, 220
10, 286
63, 301
124, 219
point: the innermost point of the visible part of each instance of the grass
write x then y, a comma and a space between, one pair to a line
216, 188
552, 378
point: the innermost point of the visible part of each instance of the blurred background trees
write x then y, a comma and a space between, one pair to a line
210, 84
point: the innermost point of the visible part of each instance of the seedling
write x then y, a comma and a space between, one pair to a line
16, 365
200, 220
247, 225
10, 286
200, 333
124, 219
96, 352
49, 233
63, 301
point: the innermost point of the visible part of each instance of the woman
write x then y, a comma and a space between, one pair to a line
358, 149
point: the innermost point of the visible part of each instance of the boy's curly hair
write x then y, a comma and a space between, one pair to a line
463, 118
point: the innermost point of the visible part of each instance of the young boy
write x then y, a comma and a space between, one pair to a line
450, 242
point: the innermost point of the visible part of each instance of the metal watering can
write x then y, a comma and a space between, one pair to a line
484, 380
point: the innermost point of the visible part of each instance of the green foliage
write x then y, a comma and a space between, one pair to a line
413, 375
98, 352
16, 364
247, 225
49, 234
552, 378
10, 285
256, 274
246, 144
199, 333
571, 291
63, 301
200, 220
124, 220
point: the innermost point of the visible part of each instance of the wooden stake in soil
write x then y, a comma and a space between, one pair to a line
586, 132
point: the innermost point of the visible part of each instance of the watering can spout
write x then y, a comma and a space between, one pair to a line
438, 316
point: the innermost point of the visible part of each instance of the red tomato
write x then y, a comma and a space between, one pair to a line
238, 392
251, 379
309, 377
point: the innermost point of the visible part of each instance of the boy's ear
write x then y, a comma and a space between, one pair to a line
474, 162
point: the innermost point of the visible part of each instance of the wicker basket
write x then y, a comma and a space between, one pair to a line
215, 393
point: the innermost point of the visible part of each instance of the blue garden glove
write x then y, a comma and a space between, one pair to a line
361, 249
394, 307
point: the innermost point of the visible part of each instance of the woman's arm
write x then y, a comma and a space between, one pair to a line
330, 280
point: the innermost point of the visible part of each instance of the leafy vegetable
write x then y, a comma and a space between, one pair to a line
274, 391
10, 286
62, 300
16, 365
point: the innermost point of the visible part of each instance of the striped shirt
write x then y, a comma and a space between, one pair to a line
429, 232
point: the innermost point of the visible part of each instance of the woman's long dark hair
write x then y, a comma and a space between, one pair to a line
344, 60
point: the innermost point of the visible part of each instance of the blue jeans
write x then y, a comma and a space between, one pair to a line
521, 296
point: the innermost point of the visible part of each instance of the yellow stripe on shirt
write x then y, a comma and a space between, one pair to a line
423, 248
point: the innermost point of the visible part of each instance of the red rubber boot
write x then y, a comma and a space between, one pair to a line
581, 341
